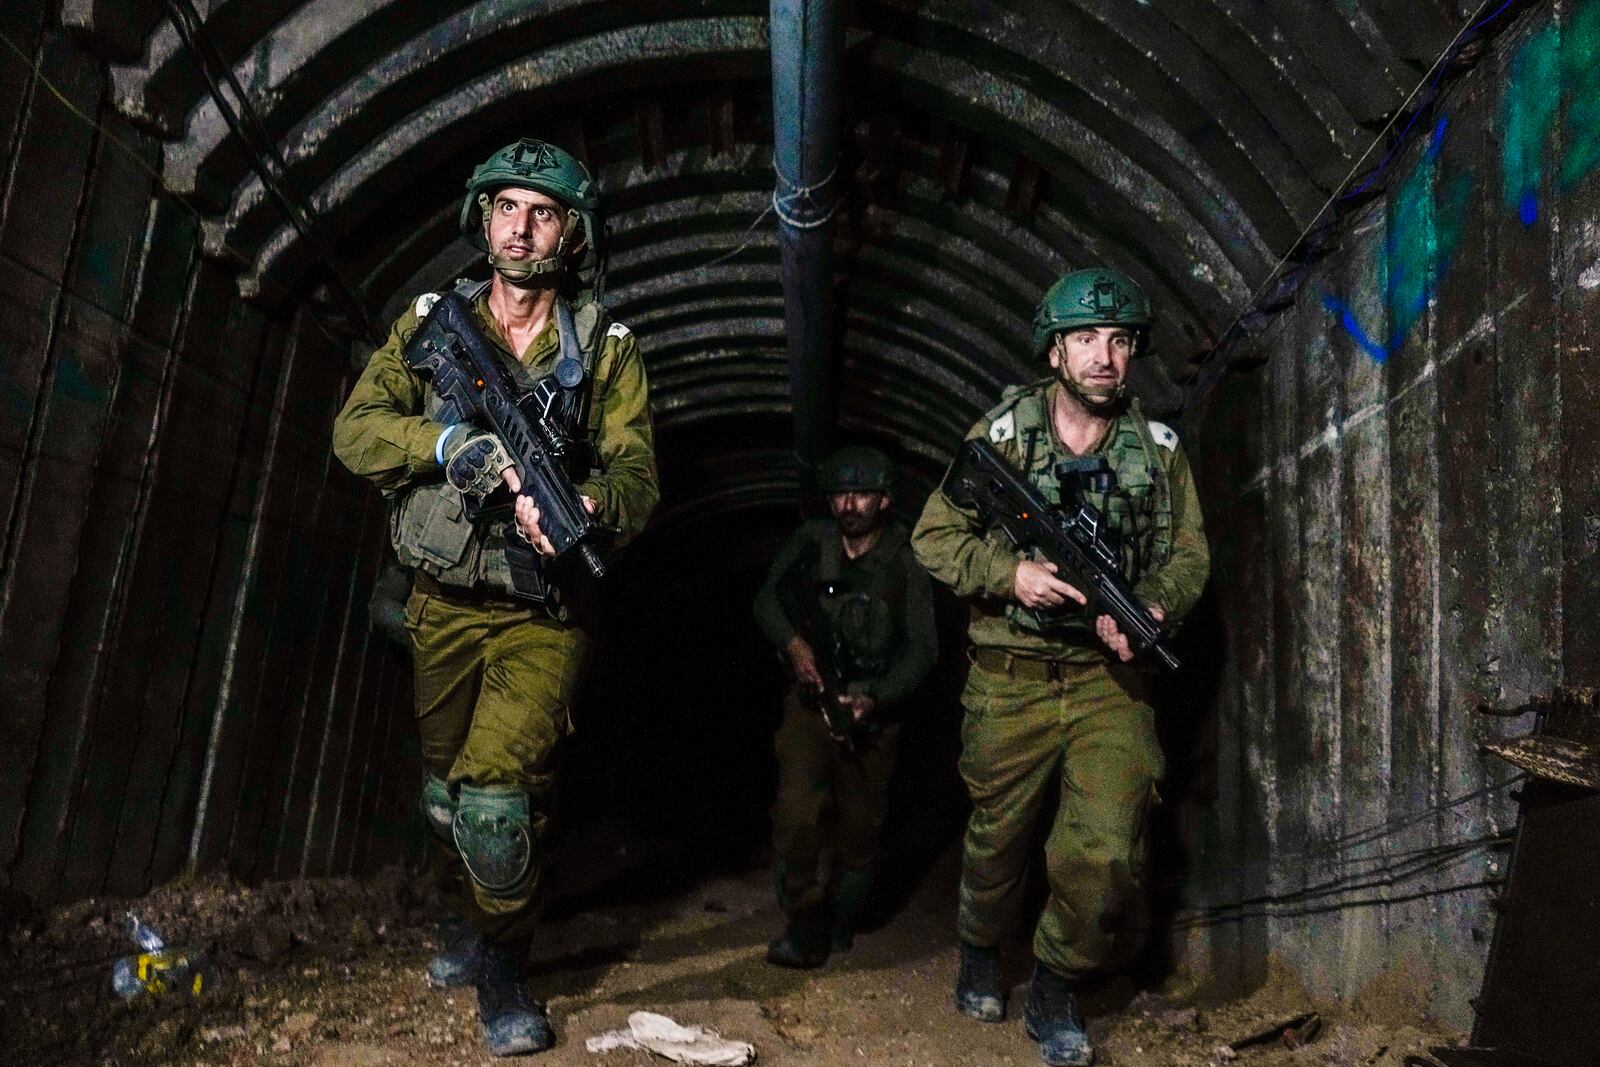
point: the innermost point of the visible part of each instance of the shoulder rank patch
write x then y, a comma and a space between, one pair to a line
1004, 428
1164, 435
425, 304
618, 330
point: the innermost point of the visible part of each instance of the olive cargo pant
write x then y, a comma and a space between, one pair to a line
494, 680
1088, 738
826, 797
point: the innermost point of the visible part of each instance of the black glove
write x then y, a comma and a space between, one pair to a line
474, 462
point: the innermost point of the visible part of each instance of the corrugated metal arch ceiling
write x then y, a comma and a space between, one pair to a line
992, 146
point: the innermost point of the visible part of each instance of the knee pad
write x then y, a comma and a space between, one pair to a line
493, 831
438, 806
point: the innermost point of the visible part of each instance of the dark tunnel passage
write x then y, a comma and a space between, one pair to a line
1369, 233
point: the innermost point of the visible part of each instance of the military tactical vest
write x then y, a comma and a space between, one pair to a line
1138, 512
852, 617
428, 524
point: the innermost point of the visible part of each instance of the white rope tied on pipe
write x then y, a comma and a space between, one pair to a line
783, 204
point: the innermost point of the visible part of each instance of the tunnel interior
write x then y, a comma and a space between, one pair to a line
1367, 229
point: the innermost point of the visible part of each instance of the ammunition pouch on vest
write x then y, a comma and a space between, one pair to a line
855, 627
429, 524
1138, 512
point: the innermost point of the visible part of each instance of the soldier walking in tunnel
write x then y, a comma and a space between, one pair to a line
496, 673
852, 612
1055, 712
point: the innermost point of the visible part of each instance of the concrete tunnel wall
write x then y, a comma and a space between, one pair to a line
1401, 481
191, 681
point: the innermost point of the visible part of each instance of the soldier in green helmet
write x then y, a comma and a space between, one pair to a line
851, 611
1056, 713
496, 674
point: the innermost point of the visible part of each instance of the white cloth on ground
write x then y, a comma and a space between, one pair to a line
680, 1044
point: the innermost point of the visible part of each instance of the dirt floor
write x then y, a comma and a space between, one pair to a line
328, 973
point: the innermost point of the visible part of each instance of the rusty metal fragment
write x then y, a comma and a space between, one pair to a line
1566, 744
1551, 758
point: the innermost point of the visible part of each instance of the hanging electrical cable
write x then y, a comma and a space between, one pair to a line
1278, 285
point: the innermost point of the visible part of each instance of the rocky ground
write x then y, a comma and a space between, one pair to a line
328, 973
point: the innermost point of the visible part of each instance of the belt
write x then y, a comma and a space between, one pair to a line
493, 597
1026, 668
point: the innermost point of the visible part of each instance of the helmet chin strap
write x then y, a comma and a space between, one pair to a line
521, 272
1099, 403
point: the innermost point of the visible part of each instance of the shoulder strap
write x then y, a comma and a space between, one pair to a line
573, 346
1158, 477
830, 561
895, 537
574, 372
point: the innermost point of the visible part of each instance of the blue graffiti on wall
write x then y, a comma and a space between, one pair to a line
1426, 215
1553, 80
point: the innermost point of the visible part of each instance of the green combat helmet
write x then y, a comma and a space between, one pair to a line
856, 469
1098, 296
544, 168
1095, 297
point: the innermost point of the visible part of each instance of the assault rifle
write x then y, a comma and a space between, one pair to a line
1070, 537
800, 600
840, 719
451, 352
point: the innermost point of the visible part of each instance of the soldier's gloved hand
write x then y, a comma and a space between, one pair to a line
475, 462
803, 662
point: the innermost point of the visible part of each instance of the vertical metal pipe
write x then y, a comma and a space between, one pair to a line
807, 71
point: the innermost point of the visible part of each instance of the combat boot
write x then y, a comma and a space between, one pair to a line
513, 1022
978, 994
1052, 1019
849, 900
457, 963
804, 943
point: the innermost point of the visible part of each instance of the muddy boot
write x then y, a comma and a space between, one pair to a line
457, 963
978, 994
804, 943
513, 1022
849, 899
1052, 1019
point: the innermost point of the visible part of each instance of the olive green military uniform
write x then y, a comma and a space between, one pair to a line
881, 605
495, 676
1050, 713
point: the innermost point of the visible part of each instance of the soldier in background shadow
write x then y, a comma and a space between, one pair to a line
852, 613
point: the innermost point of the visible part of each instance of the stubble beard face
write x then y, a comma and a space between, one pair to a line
857, 523
1096, 399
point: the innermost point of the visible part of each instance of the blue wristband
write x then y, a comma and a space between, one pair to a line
438, 447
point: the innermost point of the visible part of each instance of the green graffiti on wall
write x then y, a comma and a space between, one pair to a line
1426, 216
1580, 88
1425, 221
1554, 78
1528, 110
1551, 81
